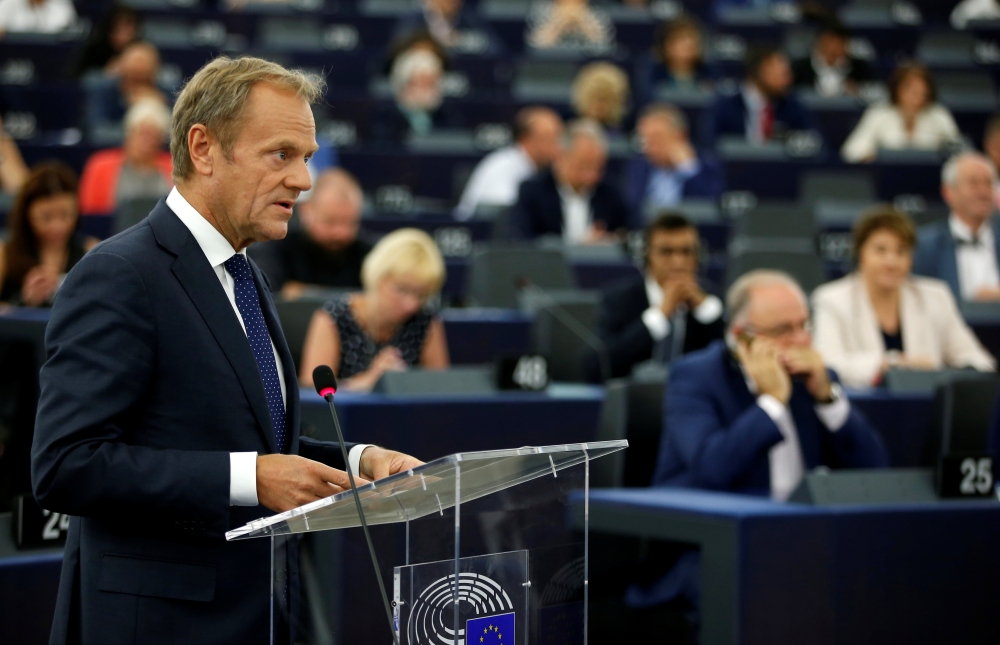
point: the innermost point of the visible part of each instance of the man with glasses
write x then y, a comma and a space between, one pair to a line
754, 414
666, 312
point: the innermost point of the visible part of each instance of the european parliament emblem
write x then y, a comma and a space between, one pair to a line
491, 630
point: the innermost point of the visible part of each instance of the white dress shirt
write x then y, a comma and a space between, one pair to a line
577, 216
977, 265
496, 180
666, 185
785, 457
882, 126
49, 17
830, 79
657, 322
755, 103
217, 249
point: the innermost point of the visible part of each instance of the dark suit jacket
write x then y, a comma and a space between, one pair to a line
298, 258
805, 74
538, 210
150, 383
935, 255
727, 117
626, 337
715, 437
708, 182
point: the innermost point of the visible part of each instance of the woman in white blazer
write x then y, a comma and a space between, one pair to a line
913, 120
881, 316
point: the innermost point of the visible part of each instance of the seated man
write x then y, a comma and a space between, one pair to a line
669, 169
537, 140
829, 70
963, 250
756, 413
327, 252
764, 108
664, 314
572, 199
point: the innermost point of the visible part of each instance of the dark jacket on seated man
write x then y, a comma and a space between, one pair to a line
539, 210
627, 339
728, 117
299, 259
704, 178
716, 436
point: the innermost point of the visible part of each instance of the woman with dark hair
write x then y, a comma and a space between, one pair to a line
912, 120
119, 28
882, 316
43, 244
677, 48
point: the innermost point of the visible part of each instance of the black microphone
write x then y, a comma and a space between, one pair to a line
326, 386
592, 340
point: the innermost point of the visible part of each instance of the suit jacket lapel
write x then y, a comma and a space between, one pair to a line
287, 364
804, 415
949, 259
202, 286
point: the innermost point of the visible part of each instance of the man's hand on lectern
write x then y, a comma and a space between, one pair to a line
285, 482
377, 463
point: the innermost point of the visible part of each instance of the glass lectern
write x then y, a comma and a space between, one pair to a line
488, 551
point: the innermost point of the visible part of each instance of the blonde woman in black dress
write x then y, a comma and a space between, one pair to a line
388, 326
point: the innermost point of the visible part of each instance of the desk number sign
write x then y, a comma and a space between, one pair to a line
965, 476
33, 526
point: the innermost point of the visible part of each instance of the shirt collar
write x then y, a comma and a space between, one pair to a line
215, 247
821, 66
960, 230
566, 192
753, 97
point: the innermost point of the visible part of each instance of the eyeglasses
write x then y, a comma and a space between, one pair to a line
781, 331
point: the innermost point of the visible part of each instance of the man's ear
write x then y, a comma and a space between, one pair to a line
203, 149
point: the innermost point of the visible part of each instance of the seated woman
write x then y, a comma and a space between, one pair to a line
679, 60
141, 168
912, 120
601, 93
387, 327
43, 244
882, 317
418, 106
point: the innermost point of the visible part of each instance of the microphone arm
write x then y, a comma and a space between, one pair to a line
591, 339
327, 393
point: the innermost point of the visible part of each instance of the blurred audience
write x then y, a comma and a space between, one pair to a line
108, 99
13, 171
668, 170
450, 24
881, 317
36, 16
991, 147
754, 414
601, 93
829, 70
679, 59
968, 10
963, 249
140, 169
538, 135
119, 28
912, 120
764, 108
570, 24
418, 107
43, 244
663, 314
573, 199
327, 251
388, 327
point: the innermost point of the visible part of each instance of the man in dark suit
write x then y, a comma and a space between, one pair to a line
669, 169
327, 251
964, 249
829, 70
664, 313
754, 414
572, 199
169, 409
764, 108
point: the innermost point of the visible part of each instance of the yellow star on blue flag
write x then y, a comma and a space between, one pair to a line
491, 630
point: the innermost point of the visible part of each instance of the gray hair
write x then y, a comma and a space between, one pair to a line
949, 171
738, 296
411, 62
671, 114
587, 128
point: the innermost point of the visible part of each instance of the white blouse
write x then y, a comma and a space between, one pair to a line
882, 126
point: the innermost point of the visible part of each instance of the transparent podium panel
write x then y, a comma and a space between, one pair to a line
473, 548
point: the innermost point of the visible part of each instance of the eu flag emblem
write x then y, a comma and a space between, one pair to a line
492, 630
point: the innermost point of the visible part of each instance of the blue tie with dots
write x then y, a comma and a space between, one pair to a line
248, 302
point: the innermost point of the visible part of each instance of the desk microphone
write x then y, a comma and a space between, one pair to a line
326, 387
